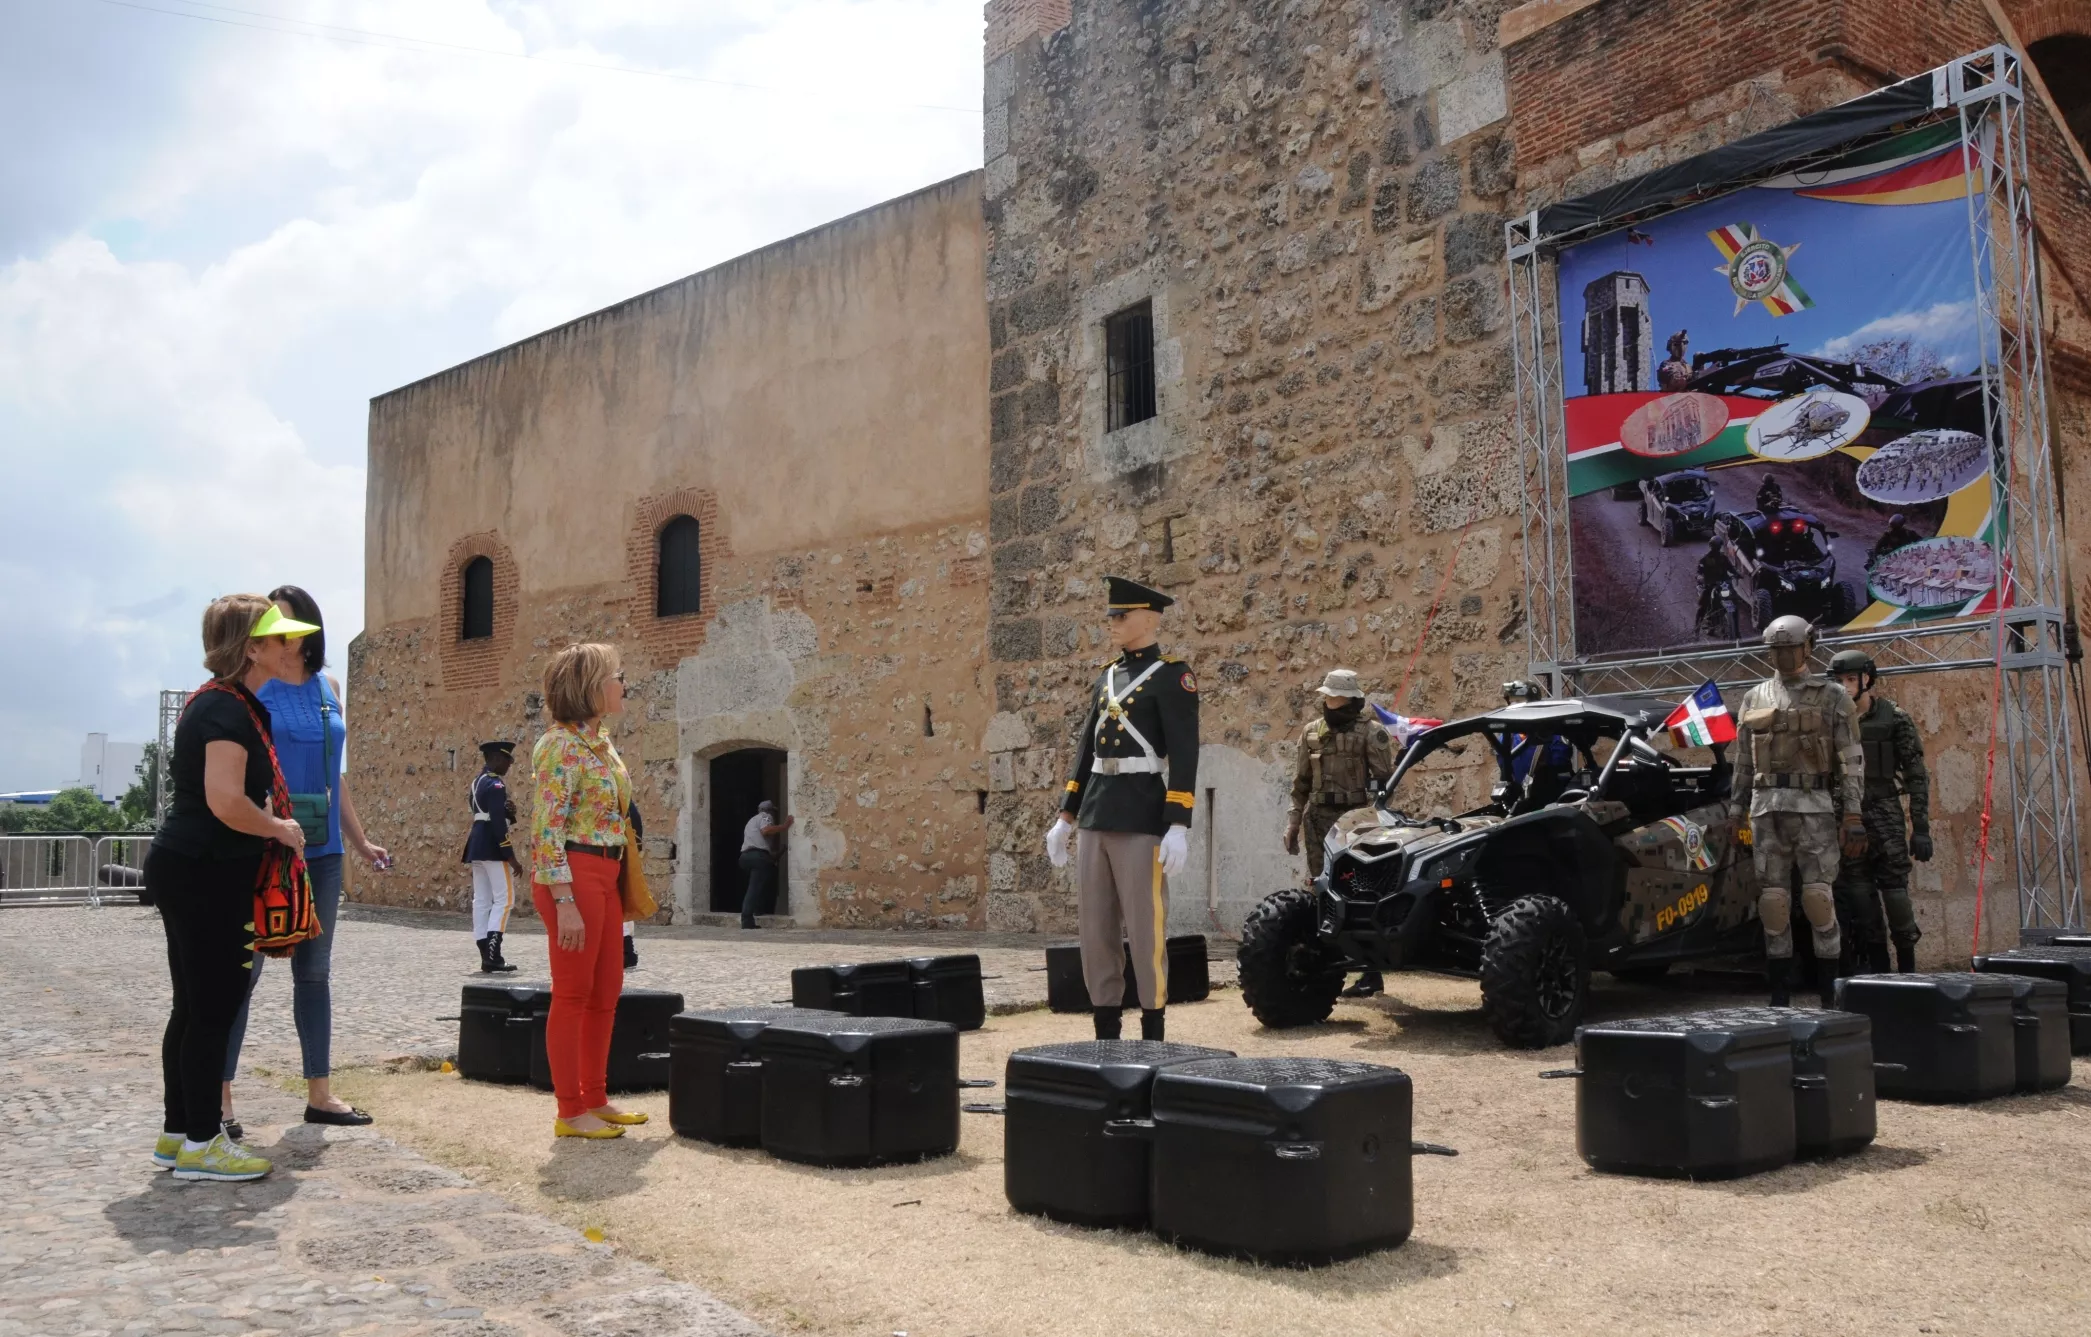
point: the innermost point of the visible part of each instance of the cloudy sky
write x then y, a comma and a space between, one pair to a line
224, 227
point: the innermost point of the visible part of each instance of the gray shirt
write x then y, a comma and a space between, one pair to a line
752, 837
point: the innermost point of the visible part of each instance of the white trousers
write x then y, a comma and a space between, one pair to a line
493, 892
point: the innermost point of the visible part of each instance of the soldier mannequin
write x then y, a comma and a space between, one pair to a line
1142, 726
1797, 764
491, 856
1343, 756
1894, 767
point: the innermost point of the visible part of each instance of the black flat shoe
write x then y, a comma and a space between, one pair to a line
352, 1118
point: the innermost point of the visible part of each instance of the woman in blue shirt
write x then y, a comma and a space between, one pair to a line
310, 734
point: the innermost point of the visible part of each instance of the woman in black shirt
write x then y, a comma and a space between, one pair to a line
202, 869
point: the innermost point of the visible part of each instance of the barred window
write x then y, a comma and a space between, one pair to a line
479, 600
678, 579
1129, 366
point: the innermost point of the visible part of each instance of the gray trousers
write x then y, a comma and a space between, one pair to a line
1122, 898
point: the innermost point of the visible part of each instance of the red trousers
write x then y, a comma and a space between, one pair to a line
585, 983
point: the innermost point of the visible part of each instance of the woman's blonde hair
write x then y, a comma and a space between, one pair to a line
577, 680
228, 625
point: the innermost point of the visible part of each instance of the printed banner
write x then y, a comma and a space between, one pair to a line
1811, 438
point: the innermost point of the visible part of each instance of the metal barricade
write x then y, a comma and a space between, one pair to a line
72, 869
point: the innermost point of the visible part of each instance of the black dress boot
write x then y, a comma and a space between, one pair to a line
1151, 1023
1368, 984
631, 953
1108, 1022
486, 956
1779, 971
492, 947
1905, 957
1827, 969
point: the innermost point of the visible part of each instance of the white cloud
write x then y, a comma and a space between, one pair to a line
1947, 328
333, 220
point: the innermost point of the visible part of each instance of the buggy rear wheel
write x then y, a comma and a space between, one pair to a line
1289, 977
1535, 975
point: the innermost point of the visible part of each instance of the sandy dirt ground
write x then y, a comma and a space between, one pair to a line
1634, 594
1971, 1220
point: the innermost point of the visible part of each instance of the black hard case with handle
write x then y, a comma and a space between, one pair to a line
858, 1090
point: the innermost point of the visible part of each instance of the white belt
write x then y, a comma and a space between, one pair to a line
1126, 766
482, 817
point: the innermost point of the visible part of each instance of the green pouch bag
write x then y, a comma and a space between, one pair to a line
310, 811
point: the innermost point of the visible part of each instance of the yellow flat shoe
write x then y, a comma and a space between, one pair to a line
561, 1128
621, 1117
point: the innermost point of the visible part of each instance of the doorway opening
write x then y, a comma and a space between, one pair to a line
739, 782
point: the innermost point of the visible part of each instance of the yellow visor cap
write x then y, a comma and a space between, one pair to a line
273, 623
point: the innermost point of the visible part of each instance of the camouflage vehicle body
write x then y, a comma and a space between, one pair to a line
1620, 860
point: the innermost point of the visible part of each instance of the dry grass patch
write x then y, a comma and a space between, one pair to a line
1958, 1220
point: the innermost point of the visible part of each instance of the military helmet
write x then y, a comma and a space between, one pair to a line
1789, 630
1852, 661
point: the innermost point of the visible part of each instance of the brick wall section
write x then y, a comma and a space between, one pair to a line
1010, 22
668, 639
475, 665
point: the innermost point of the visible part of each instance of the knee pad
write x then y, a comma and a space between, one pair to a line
1775, 908
1819, 904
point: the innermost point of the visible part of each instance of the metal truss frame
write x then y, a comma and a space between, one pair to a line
2021, 646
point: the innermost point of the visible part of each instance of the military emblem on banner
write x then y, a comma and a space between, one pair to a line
1758, 270
1694, 838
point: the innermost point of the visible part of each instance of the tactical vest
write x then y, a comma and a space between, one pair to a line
1337, 766
1792, 746
1877, 741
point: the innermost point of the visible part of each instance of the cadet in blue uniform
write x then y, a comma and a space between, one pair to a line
495, 870
1134, 781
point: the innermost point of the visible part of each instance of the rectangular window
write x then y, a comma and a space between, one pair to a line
1129, 366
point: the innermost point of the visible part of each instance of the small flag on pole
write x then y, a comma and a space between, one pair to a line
1701, 719
1404, 728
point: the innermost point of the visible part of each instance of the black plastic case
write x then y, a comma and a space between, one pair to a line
1701, 1096
1284, 1160
1949, 1035
1057, 1160
499, 1027
715, 1086
1835, 1111
639, 1054
1190, 976
947, 988
2040, 1031
2064, 963
867, 989
858, 1090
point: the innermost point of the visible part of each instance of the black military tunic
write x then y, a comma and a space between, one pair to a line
1116, 784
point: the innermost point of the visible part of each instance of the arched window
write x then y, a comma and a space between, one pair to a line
479, 600
678, 579
2064, 62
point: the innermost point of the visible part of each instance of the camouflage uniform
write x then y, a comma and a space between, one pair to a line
1894, 753
1798, 762
1335, 769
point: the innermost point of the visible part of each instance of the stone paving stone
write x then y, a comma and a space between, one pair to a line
353, 1234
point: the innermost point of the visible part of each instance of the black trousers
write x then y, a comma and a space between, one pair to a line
762, 885
205, 906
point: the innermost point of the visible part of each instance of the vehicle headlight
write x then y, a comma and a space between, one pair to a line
1453, 863
1333, 843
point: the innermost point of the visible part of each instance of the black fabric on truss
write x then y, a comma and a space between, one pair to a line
1723, 169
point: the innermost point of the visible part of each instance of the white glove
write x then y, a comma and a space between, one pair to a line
1176, 848
1056, 841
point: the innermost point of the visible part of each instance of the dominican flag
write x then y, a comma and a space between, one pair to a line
1404, 727
1701, 719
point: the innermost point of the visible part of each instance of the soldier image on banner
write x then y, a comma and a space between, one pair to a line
1798, 766
1134, 782
495, 869
1894, 769
1344, 756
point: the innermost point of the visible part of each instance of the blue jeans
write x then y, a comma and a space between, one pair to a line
311, 996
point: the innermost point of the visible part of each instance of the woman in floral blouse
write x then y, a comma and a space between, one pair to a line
577, 844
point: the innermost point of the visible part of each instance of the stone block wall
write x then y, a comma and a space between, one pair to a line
1311, 197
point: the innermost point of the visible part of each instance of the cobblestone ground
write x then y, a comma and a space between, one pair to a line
352, 1234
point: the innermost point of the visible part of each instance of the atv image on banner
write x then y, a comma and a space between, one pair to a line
1783, 558
1594, 851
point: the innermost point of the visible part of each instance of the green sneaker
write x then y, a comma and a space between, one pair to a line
166, 1149
220, 1158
